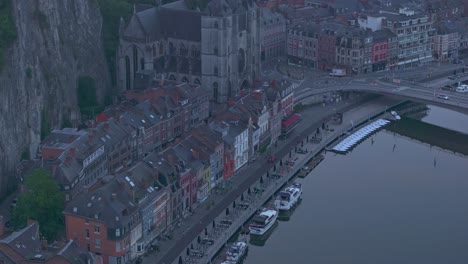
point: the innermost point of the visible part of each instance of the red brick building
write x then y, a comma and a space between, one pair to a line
379, 54
25, 246
327, 45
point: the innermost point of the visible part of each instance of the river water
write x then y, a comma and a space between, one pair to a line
391, 200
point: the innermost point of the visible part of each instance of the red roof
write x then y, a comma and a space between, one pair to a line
291, 120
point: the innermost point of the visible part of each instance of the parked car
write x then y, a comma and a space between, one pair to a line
302, 151
442, 96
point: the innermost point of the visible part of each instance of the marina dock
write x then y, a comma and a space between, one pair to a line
310, 166
351, 141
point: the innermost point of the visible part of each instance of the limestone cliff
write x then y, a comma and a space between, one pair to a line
58, 41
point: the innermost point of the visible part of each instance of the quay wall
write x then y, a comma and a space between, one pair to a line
272, 185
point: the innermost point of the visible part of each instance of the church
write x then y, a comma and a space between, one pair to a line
214, 44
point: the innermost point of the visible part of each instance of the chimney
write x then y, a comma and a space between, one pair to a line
171, 159
68, 160
122, 186
144, 184
106, 127
44, 245
72, 152
2, 226
155, 172
31, 221
90, 139
195, 154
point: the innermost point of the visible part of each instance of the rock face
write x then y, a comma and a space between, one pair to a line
58, 41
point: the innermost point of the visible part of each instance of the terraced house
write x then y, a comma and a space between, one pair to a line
117, 220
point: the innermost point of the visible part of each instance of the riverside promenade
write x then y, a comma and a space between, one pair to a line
205, 221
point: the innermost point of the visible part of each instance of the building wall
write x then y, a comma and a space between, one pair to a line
136, 55
241, 149
379, 51
229, 162
414, 41
446, 46
302, 48
4, 259
273, 35
327, 51
275, 121
230, 55
76, 230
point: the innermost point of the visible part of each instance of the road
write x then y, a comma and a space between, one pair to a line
312, 84
202, 218
381, 83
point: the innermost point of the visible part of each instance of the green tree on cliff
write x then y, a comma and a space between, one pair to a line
43, 202
112, 11
7, 29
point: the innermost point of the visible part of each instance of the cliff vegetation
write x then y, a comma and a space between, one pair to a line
112, 11
43, 202
46, 46
7, 29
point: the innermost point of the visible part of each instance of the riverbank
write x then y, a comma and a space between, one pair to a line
268, 186
431, 134
203, 222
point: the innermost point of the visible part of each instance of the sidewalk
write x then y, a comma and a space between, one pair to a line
201, 218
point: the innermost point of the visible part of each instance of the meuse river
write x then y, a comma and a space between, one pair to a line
391, 200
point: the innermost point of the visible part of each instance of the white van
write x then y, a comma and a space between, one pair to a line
462, 88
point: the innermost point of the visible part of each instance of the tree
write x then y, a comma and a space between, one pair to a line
43, 202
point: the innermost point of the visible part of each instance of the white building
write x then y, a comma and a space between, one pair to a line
373, 23
240, 132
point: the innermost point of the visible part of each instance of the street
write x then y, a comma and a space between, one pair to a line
312, 118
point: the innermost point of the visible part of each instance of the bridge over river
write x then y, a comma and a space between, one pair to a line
416, 91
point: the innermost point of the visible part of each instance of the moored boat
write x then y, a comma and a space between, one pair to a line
288, 197
237, 252
263, 221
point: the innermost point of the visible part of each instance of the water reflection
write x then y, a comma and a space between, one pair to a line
260, 241
285, 216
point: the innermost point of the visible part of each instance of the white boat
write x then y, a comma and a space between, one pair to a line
263, 222
397, 117
393, 113
236, 252
289, 197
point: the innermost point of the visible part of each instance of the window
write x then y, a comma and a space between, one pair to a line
119, 260
96, 229
87, 233
98, 243
117, 247
88, 247
117, 232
